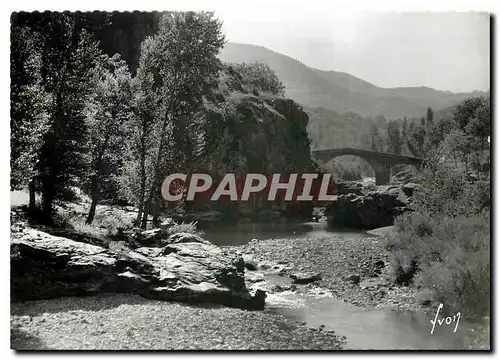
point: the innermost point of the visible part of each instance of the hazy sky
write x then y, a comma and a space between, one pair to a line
445, 51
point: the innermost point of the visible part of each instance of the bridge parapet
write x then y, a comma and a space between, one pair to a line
381, 163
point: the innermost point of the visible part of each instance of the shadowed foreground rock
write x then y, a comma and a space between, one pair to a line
44, 266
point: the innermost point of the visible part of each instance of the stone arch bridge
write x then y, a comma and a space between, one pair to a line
381, 163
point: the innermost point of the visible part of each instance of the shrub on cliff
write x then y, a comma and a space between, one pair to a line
261, 77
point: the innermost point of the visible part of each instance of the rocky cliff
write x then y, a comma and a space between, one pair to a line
248, 131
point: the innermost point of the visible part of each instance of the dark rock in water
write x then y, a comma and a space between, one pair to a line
45, 266
409, 188
354, 278
250, 264
425, 302
263, 266
379, 264
373, 210
305, 278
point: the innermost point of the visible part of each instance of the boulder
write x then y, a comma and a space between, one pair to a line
305, 278
44, 266
353, 278
250, 263
374, 210
150, 238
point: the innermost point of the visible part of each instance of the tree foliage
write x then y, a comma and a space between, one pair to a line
65, 54
108, 113
29, 106
261, 77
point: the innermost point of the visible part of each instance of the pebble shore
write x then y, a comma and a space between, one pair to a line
129, 322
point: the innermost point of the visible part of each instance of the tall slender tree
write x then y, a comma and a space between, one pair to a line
108, 113
182, 62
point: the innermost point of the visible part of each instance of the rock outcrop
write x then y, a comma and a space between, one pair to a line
186, 269
375, 209
251, 131
348, 187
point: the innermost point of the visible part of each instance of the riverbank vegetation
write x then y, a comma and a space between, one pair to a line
443, 246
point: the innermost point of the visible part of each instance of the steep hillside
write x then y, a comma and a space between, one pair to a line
329, 129
341, 92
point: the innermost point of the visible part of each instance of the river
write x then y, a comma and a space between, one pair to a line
365, 328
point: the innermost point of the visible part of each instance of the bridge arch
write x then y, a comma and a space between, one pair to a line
381, 163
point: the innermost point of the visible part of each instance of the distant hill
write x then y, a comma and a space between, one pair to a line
342, 92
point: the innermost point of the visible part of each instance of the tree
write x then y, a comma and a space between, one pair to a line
429, 117
182, 62
458, 143
479, 128
416, 138
377, 142
144, 133
395, 139
29, 106
466, 110
108, 113
261, 77
67, 55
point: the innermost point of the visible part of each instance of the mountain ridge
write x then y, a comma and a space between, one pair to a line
340, 91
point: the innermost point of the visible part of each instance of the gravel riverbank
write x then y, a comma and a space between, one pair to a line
129, 322
336, 258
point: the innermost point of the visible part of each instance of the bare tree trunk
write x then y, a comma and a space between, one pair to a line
95, 195
143, 189
32, 194
91, 215
145, 214
156, 211
156, 174
47, 200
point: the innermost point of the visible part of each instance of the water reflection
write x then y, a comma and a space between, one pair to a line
370, 328
240, 234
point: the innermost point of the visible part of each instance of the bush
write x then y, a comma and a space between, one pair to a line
450, 191
347, 171
449, 255
444, 245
